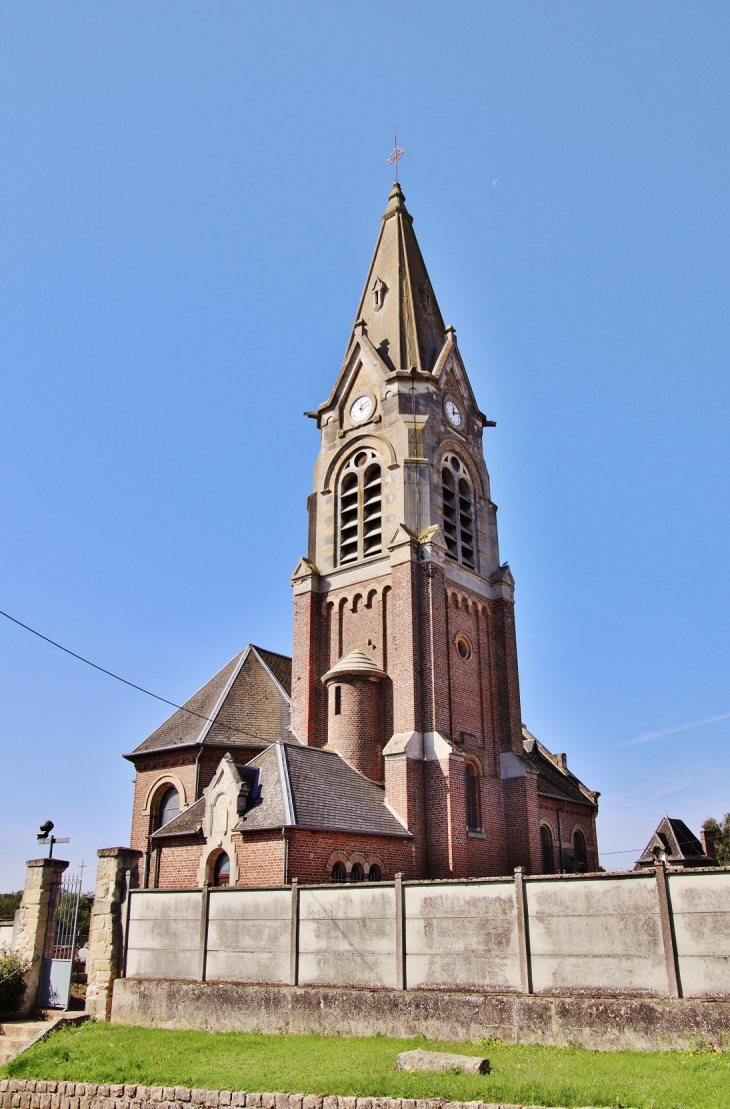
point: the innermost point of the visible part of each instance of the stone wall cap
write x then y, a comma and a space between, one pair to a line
112, 852
47, 862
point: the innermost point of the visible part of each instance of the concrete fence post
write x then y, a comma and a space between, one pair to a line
523, 936
117, 873
670, 946
31, 922
400, 945
294, 948
204, 913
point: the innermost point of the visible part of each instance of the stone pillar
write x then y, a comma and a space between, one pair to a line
31, 921
117, 873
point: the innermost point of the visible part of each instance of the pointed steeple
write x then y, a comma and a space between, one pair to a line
398, 305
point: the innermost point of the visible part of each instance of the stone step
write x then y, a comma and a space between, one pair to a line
14, 1035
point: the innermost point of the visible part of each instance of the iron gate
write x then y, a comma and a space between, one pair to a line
59, 951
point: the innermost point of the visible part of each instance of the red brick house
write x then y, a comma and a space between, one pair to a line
392, 741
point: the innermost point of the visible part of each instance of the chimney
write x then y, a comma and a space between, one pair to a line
561, 761
708, 844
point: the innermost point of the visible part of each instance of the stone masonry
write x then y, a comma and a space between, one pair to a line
117, 873
29, 1094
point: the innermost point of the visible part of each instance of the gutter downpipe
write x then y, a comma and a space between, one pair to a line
285, 838
560, 838
197, 772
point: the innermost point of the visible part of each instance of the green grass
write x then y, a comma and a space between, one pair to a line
366, 1067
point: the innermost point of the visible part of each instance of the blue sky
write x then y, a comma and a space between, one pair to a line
189, 200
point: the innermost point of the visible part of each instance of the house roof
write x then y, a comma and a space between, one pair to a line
246, 704
680, 844
312, 787
553, 777
187, 823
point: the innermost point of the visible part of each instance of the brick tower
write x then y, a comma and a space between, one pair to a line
405, 659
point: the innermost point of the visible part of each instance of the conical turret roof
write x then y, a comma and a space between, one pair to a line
398, 305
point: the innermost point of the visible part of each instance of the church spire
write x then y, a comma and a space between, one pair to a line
398, 305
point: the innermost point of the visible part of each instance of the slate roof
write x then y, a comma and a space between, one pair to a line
311, 787
188, 822
680, 844
554, 780
245, 704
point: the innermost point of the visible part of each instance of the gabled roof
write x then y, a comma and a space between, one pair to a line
311, 787
553, 777
187, 823
246, 704
680, 845
407, 329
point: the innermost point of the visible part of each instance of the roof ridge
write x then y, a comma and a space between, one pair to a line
268, 669
224, 694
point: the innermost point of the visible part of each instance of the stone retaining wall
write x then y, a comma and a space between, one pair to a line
28, 1094
597, 1023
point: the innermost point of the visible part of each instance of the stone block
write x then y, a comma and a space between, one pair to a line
296, 1101
313, 1101
253, 1101
182, 1093
239, 1098
211, 1099
130, 1092
441, 1061
224, 1097
268, 1101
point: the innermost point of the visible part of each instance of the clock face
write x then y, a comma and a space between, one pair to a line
360, 409
453, 413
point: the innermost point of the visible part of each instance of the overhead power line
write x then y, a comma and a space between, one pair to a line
132, 685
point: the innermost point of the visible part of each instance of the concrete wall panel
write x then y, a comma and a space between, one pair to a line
347, 936
247, 966
249, 936
246, 904
462, 936
588, 934
164, 935
701, 912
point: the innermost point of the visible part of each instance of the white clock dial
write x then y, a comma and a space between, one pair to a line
360, 409
453, 413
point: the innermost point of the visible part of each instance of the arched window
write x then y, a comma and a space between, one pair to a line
357, 873
168, 807
458, 501
546, 843
580, 853
361, 528
375, 873
473, 799
338, 873
222, 870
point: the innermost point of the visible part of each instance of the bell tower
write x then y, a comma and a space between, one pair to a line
405, 658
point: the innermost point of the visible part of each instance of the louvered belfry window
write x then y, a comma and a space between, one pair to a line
361, 500
458, 511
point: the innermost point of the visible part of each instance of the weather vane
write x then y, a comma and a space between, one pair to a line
397, 154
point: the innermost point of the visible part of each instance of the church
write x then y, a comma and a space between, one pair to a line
392, 740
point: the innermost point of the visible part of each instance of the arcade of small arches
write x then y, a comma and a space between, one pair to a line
355, 868
353, 602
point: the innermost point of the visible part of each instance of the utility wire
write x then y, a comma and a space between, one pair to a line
132, 685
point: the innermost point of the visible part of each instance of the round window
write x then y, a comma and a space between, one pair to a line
463, 646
